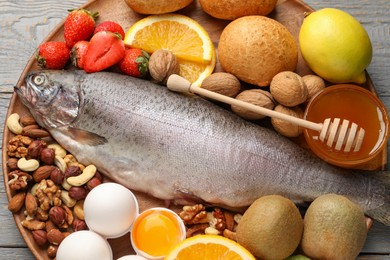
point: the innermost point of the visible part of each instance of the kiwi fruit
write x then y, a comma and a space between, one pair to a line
334, 228
271, 228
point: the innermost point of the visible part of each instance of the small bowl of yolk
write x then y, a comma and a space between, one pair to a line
355, 104
156, 231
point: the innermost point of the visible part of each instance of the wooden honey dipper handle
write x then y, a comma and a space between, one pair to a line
330, 132
179, 84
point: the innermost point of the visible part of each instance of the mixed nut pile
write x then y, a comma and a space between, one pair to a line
47, 182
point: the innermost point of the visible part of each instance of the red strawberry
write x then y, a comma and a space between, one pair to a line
135, 63
79, 26
53, 55
111, 27
105, 49
78, 52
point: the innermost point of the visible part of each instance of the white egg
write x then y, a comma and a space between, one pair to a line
110, 210
84, 245
132, 257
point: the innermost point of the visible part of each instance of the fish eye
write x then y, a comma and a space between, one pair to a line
38, 80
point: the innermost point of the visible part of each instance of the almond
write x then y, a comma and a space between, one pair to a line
16, 202
27, 120
31, 204
43, 172
36, 133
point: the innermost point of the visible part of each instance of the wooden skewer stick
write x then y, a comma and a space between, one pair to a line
331, 132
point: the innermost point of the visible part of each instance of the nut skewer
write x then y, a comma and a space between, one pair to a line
331, 132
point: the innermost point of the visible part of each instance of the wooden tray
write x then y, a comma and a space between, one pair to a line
288, 12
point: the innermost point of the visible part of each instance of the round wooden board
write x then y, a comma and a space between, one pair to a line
289, 12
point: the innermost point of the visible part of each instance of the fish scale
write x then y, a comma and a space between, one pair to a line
181, 147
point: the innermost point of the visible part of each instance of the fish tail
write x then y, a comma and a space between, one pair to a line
382, 213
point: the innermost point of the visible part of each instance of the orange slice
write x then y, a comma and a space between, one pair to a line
209, 247
185, 37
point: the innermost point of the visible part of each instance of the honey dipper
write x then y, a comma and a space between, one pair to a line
338, 131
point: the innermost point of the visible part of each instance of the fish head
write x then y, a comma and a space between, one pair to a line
54, 98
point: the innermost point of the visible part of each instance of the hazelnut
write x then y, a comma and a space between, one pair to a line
286, 128
77, 193
314, 85
79, 224
256, 97
223, 83
162, 64
55, 236
99, 176
40, 237
35, 149
288, 89
92, 183
72, 171
52, 251
57, 176
57, 215
47, 156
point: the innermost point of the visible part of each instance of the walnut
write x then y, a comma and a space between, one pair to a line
48, 195
162, 64
219, 221
196, 229
256, 97
18, 180
193, 214
288, 89
286, 128
18, 146
223, 83
314, 85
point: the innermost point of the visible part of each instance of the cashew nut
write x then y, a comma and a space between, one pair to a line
66, 185
28, 165
68, 201
60, 163
13, 124
78, 209
83, 178
58, 150
34, 189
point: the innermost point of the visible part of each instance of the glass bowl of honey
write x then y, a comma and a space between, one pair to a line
358, 105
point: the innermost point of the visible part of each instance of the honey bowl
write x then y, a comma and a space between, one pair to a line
358, 105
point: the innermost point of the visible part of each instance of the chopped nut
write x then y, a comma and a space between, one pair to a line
193, 214
33, 224
196, 229
230, 234
17, 146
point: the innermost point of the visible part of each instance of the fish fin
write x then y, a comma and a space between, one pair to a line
86, 137
382, 213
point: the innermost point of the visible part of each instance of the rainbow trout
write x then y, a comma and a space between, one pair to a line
175, 147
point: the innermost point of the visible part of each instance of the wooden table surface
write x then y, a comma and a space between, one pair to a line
25, 23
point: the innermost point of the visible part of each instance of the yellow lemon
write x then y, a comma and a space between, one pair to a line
183, 36
335, 46
209, 247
